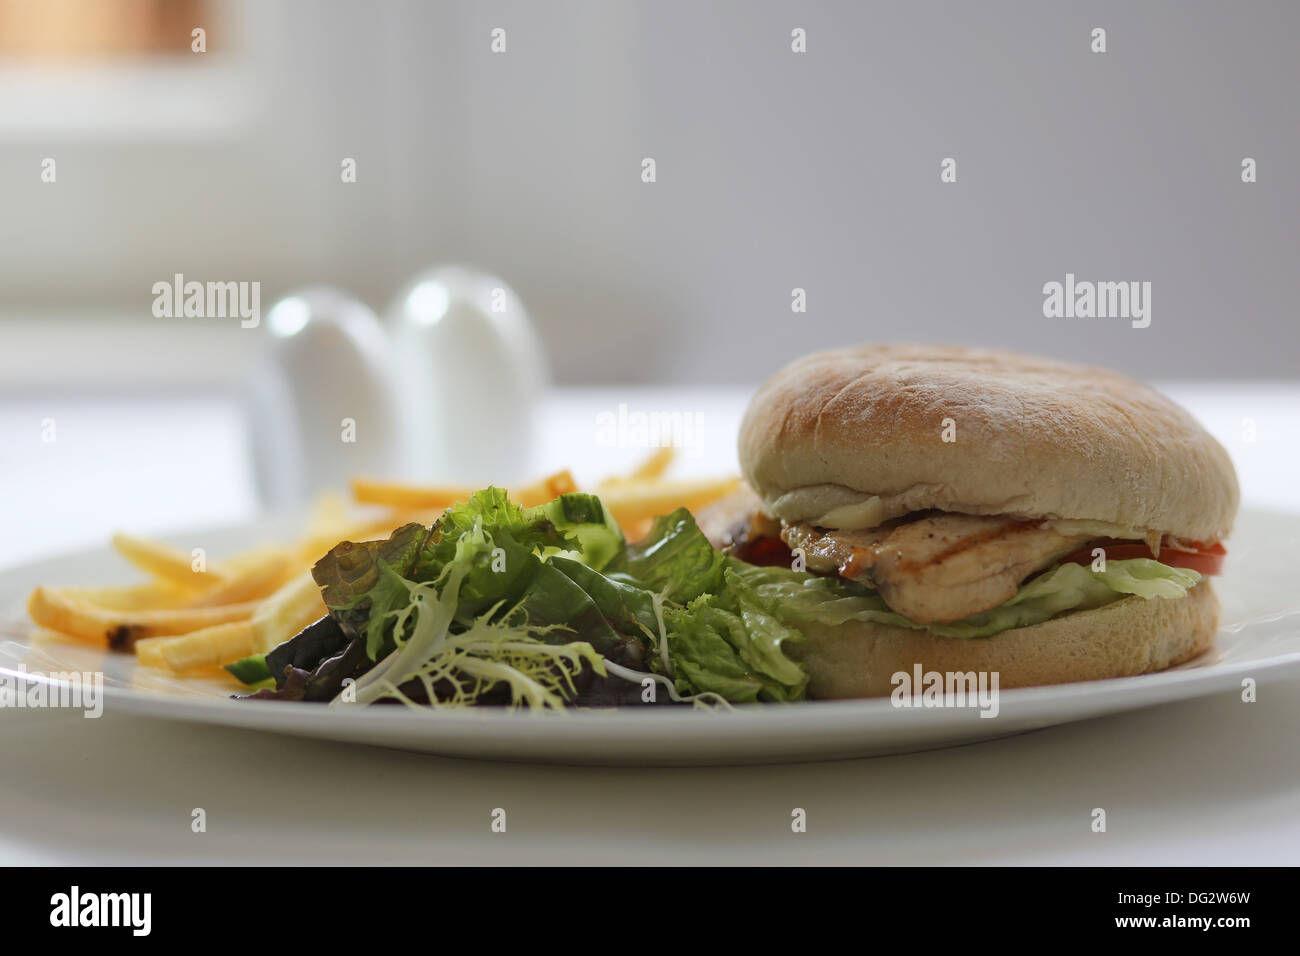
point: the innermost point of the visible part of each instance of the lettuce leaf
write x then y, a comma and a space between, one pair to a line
499, 547
362, 584
722, 636
1148, 578
676, 560
626, 606
491, 513
1067, 587
702, 644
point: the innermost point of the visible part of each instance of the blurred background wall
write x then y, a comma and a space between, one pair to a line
775, 170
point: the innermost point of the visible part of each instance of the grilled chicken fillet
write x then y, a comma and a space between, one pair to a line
938, 568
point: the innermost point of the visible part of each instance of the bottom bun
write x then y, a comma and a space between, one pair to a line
1131, 636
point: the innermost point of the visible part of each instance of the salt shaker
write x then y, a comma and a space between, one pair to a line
470, 371
320, 405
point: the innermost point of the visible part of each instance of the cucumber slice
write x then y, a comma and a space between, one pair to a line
583, 516
250, 670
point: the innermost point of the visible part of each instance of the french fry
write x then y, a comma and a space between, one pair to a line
545, 489
394, 494
655, 464
636, 500
286, 612
329, 513
399, 495
382, 527
132, 597
331, 521
163, 561
652, 467
58, 611
208, 647
149, 652
308, 551
249, 577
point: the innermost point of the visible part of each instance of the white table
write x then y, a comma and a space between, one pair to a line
1206, 781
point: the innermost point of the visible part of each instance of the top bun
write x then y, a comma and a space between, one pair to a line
854, 436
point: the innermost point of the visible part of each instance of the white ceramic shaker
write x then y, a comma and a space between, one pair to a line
471, 371
320, 405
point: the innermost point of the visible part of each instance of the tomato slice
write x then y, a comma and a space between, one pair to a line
765, 552
1203, 548
1207, 559
1196, 560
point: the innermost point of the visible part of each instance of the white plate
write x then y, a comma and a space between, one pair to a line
1260, 638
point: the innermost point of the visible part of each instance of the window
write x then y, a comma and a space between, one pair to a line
114, 70
78, 30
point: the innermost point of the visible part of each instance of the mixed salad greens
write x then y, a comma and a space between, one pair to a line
550, 607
